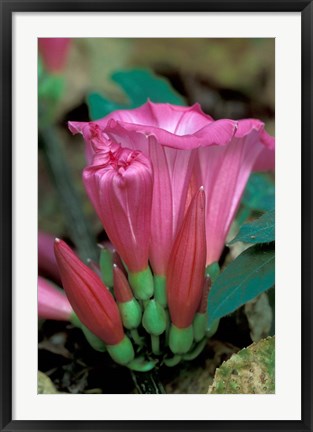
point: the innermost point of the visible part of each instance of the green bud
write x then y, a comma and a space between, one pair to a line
199, 326
213, 328
139, 364
160, 290
130, 312
123, 352
142, 284
213, 270
106, 267
154, 318
181, 339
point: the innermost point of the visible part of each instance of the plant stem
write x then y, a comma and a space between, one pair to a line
72, 207
155, 344
147, 383
135, 335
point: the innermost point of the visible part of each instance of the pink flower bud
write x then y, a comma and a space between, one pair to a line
122, 290
186, 269
52, 302
91, 300
54, 52
119, 184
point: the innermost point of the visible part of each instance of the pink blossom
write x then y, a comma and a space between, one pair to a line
186, 269
91, 300
224, 172
54, 52
52, 302
168, 135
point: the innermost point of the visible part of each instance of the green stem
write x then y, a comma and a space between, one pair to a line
135, 335
155, 344
75, 219
147, 383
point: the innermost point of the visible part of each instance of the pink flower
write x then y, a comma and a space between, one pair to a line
186, 269
91, 300
54, 52
168, 135
119, 184
224, 172
52, 302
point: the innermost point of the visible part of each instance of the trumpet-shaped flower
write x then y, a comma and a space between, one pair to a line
168, 135
224, 172
91, 300
52, 302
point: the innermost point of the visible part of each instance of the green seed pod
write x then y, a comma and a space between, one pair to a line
130, 312
154, 318
181, 339
213, 328
199, 326
142, 284
123, 352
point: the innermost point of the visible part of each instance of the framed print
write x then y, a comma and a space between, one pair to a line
156, 215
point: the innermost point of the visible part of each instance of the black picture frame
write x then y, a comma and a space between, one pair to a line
7, 9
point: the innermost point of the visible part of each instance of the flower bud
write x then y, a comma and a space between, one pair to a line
185, 275
91, 300
120, 188
52, 302
154, 318
129, 307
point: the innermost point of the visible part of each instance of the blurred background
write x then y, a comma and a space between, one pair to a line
230, 78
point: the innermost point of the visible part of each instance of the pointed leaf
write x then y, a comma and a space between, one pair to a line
139, 85
247, 276
261, 230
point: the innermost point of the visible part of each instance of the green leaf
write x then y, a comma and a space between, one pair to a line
139, 85
99, 106
261, 230
251, 273
250, 371
259, 193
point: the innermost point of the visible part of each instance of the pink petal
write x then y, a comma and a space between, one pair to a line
224, 171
